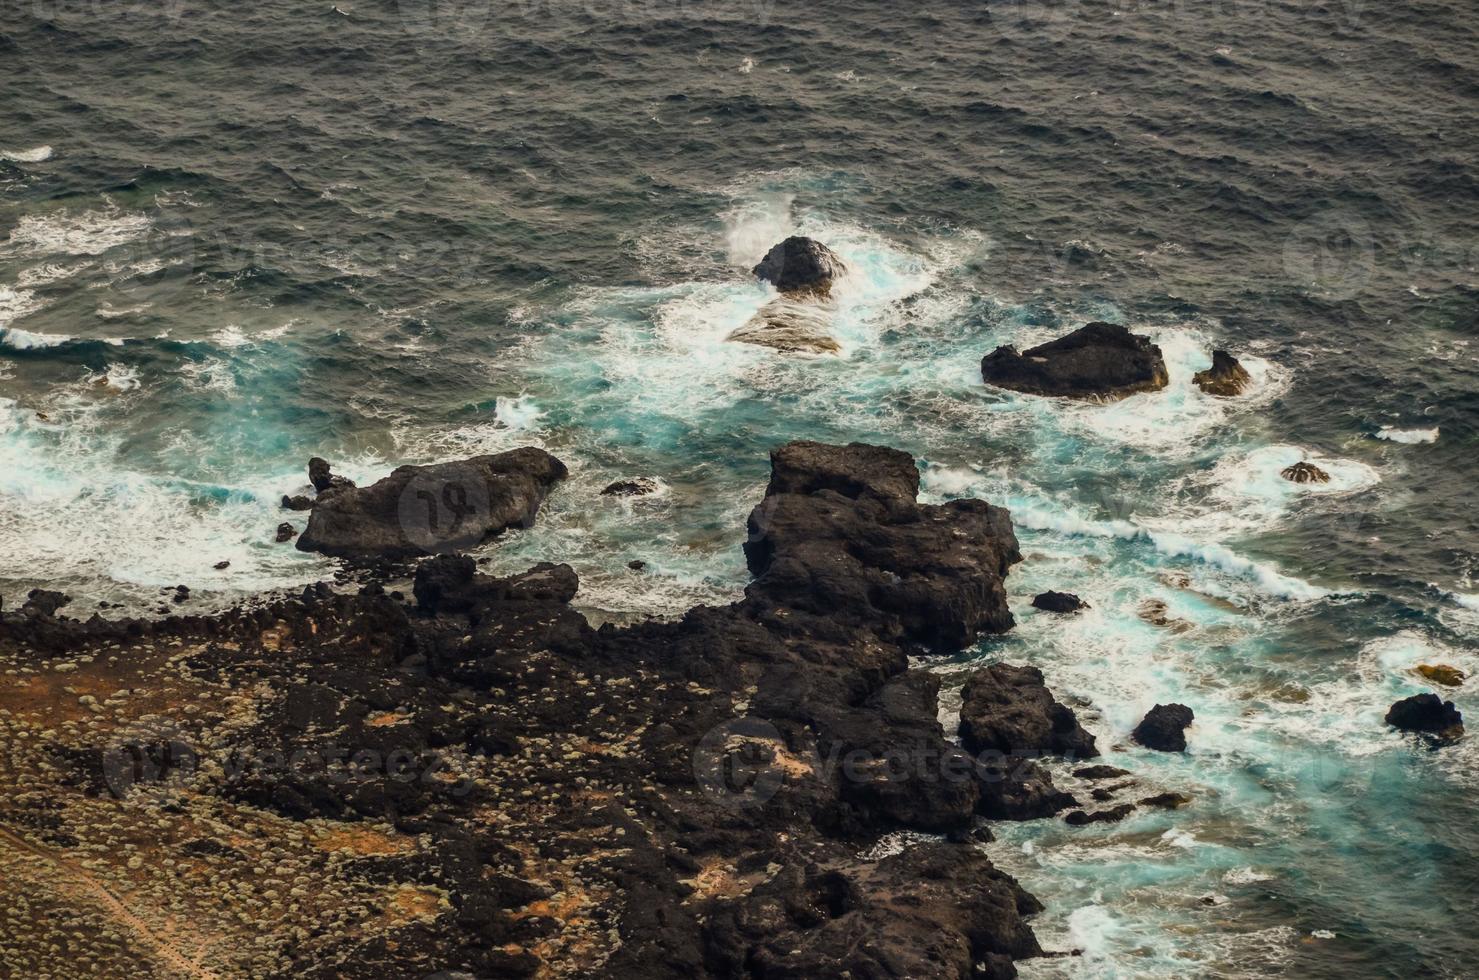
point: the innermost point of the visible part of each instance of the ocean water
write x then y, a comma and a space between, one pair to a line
232, 238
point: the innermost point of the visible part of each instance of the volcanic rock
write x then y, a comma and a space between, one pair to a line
800, 265
1008, 709
1100, 361
1305, 472
1058, 602
420, 510
1164, 728
1226, 377
1428, 714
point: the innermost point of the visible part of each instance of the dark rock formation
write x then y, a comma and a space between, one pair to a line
1080, 818
285, 532
1164, 728
1428, 714
420, 510
1305, 472
639, 487
44, 602
1226, 377
1101, 772
800, 265
1009, 709
1099, 360
323, 481
297, 502
726, 834
1166, 801
1058, 602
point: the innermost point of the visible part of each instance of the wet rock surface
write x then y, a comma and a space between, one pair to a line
1164, 728
1097, 361
1427, 714
1304, 472
1009, 709
1058, 602
477, 780
422, 510
1226, 377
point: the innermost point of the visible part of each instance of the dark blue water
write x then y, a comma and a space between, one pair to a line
235, 237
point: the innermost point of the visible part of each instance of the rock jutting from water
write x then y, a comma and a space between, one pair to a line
1102, 361
1058, 602
1164, 728
1426, 714
421, 510
1225, 378
1305, 472
799, 320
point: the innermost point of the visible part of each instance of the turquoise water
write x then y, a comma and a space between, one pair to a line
306, 232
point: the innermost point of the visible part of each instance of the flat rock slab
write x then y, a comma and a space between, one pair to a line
1099, 360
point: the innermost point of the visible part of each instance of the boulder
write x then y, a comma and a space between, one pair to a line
1019, 789
1166, 801
1305, 472
297, 502
1101, 772
1058, 602
1226, 377
790, 327
800, 265
1098, 361
1008, 709
323, 480
1164, 728
839, 535
1444, 674
285, 532
855, 470
1428, 714
44, 602
421, 510
1080, 818
639, 487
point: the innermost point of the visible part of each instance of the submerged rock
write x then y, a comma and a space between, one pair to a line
1080, 818
1058, 602
800, 265
1226, 377
1099, 360
1101, 772
639, 487
1427, 714
790, 327
1444, 674
420, 510
1009, 709
1305, 472
1164, 728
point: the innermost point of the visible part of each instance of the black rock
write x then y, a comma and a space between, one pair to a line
1019, 789
800, 265
285, 532
636, 564
1008, 709
855, 470
1099, 360
639, 487
1164, 728
1100, 772
221, 566
1226, 377
44, 602
1059, 602
300, 502
1079, 818
421, 510
1305, 472
323, 481
1426, 713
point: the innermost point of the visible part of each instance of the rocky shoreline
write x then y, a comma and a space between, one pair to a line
473, 779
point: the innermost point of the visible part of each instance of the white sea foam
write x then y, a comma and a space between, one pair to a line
1407, 436
26, 340
37, 154
84, 233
